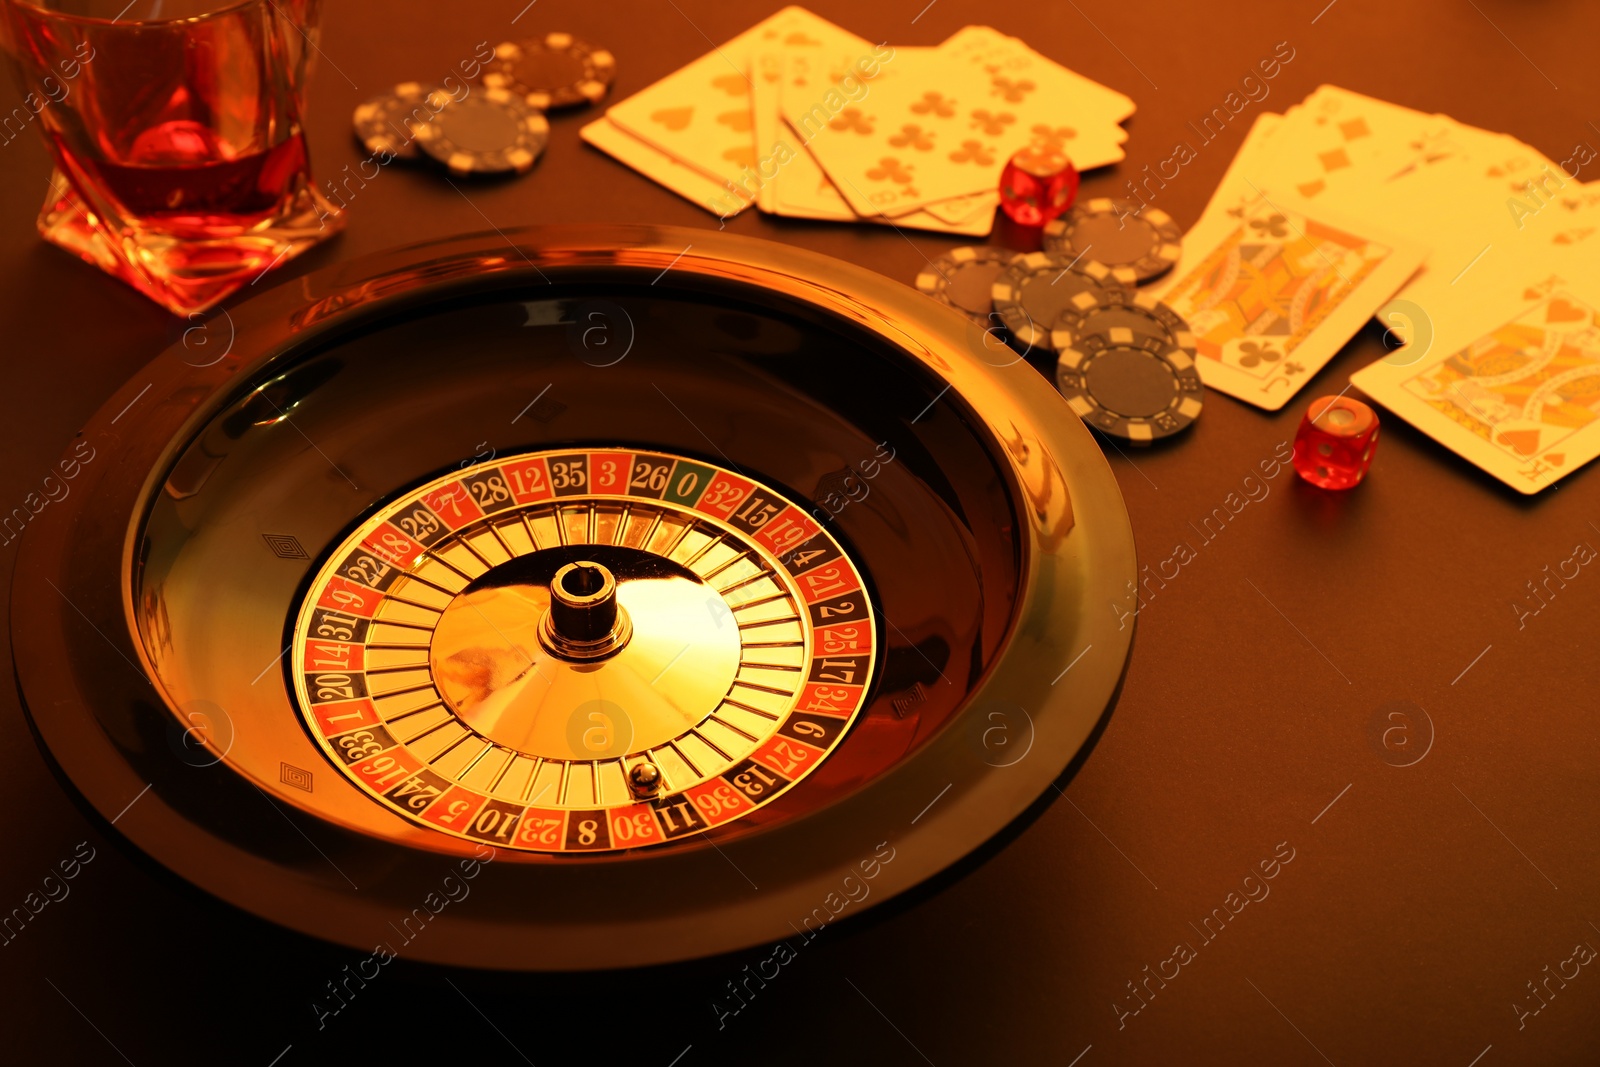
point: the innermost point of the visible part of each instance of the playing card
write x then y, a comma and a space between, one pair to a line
695, 187
1274, 288
1336, 139
766, 76
1520, 399
660, 167
1086, 113
797, 187
966, 209
701, 113
905, 144
800, 188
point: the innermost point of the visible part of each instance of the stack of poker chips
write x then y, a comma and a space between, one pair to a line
496, 125
1125, 362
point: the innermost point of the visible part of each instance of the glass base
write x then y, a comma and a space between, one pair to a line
213, 258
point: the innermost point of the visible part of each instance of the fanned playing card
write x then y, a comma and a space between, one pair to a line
799, 188
1086, 113
929, 130
657, 165
701, 114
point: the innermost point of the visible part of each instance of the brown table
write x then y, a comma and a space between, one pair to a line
1419, 901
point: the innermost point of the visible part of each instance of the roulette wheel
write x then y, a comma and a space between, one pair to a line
664, 585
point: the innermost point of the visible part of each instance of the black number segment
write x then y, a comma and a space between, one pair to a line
851, 607
755, 512
368, 569
495, 822
814, 553
330, 686
840, 670
419, 523
649, 476
419, 790
358, 745
678, 816
754, 780
819, 731
330, 625
569, 473
489, 490
587, 830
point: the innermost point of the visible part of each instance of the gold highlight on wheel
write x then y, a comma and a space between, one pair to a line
583, 651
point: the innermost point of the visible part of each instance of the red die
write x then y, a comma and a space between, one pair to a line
1334, 445
1038, 184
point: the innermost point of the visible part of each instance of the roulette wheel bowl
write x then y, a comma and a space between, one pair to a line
165, 613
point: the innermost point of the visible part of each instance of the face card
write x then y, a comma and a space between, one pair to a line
1520, 399
1275, 289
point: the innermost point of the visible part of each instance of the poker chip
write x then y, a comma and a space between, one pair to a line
1120, 315
1033, 291
1135, 244
490, 131
388, 123
1139, 389
963, 278
558, 71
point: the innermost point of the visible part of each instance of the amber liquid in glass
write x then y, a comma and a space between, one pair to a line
181, 161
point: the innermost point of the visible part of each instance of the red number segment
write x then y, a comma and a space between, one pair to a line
333, 656
787, 756
454, 810
633, 825
542, 828
351, 598
791, 527
389, 543
718, 801
608, 472
335, 719
828, 581
454, 504
836, 700
382, 773
529, 480
850, 639
723, 495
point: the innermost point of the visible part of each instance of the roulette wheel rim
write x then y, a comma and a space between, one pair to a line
1052, 681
